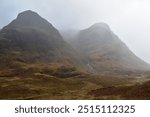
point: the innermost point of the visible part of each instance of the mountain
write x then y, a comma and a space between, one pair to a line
32, 39
105, 52
37, 63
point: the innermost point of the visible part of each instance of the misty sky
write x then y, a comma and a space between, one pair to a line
129, 19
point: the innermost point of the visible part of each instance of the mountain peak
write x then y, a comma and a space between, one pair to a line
27, 13
100, 25
31, 20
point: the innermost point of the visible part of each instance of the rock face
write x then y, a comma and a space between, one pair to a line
105, 52
30, 38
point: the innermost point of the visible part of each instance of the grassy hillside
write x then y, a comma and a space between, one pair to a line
56, 81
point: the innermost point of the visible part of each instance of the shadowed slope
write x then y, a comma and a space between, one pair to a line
30, 38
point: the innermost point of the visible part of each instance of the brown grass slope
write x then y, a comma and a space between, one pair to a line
133, 92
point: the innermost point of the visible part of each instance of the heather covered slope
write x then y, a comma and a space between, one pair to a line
55, 81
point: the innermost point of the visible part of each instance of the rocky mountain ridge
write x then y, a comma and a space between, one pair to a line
32, 39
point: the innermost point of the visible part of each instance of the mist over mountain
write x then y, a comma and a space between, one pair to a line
39, 62
104, 51
30, 39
